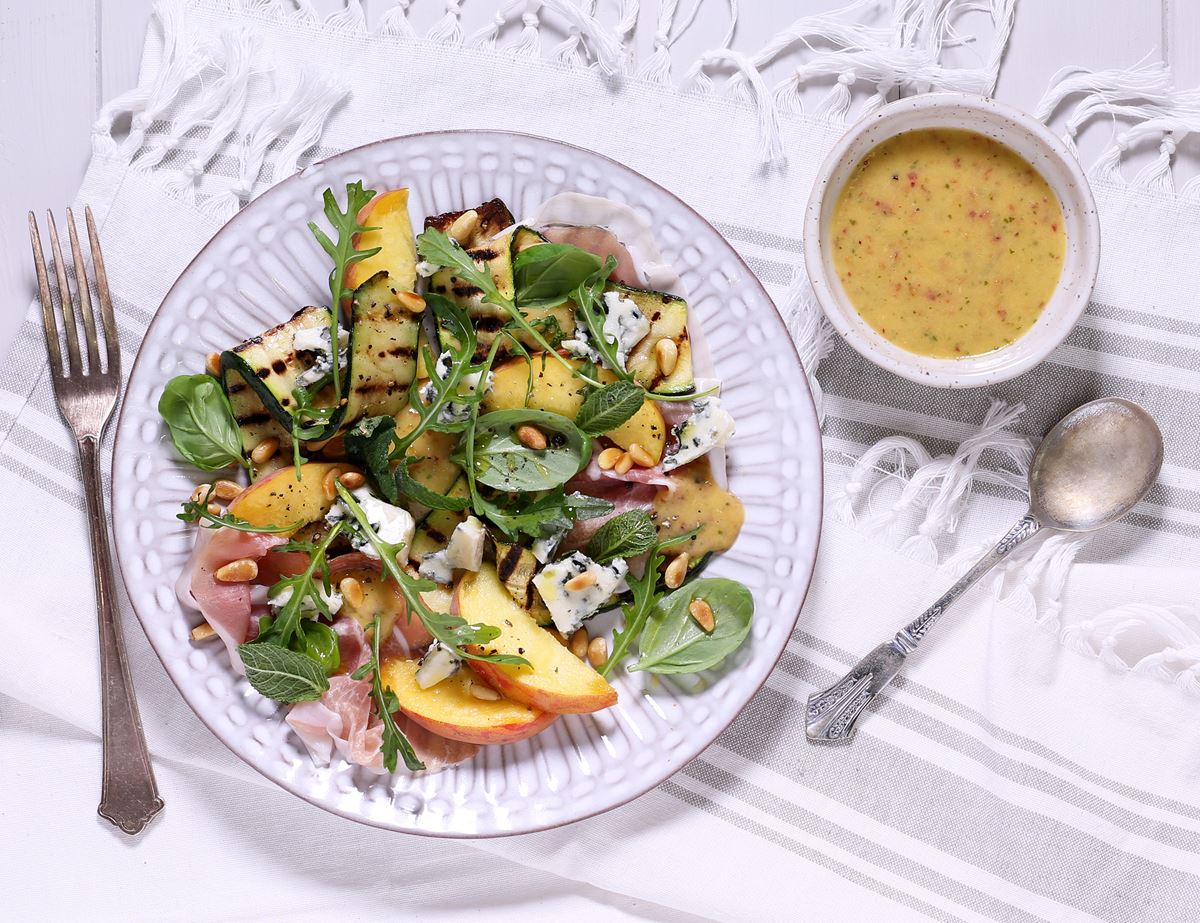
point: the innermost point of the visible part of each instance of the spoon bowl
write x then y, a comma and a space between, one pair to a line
1094, 466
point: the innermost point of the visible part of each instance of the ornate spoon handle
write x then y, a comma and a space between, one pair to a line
832, 713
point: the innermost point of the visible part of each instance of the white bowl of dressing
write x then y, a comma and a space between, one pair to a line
1031, 141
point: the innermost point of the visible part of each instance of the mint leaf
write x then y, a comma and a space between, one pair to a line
624, 536
282, 675
606, 409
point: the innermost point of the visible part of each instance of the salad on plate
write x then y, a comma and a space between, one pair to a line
480, 483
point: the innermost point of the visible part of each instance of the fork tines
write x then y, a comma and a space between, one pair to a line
76, 304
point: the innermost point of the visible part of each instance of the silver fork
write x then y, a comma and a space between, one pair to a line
129, 795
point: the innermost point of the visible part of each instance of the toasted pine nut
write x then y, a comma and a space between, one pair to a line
484, 693
212, 363
242, 570
329, 483
676, 571
531, 437
352, 591
215, 509
608, 459
581, 582
667, 354
597, 652
579, 643
203, 632
200, 492
703, 614
640, 456
464, 226
624, 463
264, 450
411, 302
227, 490
352, 479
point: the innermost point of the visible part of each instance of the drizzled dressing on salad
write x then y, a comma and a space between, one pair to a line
947, 242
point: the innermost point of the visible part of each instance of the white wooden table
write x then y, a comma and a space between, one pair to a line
61, 59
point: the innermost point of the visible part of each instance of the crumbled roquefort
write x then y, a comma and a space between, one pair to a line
624, 323
569, 607
332, 599
439, 663
316, 340
710, 425
392, 524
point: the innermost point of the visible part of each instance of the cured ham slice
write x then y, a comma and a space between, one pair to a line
341, 721
623, 494
434, 751
225, 606
353, 649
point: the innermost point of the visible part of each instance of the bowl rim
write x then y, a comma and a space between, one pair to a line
936, 371
652, 779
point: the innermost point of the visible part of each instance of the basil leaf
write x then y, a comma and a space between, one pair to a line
201, 422
502, 461
547, 274
282, 675
672, 641
625, 536
321, 645
604, 410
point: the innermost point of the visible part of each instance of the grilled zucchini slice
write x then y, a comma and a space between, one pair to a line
260, 374
517, 567
434, 531
668, 318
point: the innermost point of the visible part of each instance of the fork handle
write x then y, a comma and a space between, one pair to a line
129, 796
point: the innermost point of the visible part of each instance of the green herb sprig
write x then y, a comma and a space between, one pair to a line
395, 742
197, 512
624, 536
201, 422
281, 674
312, 584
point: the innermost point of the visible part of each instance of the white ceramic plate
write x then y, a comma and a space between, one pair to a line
258, 270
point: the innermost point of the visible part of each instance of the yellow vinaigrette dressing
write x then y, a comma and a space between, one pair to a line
948, 243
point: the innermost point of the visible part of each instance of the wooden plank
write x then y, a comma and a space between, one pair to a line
48, 58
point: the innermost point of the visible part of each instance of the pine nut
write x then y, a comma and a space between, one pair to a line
212, 364
352, 591
581, 582
608, 459
203, 632
411, 302
200, 492
667, 354
242, 570
597, 652
640, 456
579, 643
624, 463
676, 571
463, 227
531, 437
226, 490
215, 509
352, 480
703, 614
329, 483
484, 693
264, 450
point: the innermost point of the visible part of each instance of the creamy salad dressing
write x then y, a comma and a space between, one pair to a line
698, 500
947, 242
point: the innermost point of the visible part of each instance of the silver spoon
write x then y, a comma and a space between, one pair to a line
1089, 471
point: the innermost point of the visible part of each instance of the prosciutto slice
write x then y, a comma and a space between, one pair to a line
623, 493
341, 721
353, 649
434, 751
225, 606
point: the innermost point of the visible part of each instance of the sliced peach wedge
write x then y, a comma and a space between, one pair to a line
451, 710
556, 680
393, 234
279, 499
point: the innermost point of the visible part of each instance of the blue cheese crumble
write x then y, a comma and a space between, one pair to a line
439, 663
709, 426
392, 524
464, 551
624, 323
316, 340
332, 599
570, 606
454, 411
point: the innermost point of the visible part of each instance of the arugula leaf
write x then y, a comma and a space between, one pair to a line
453, 631
547, 274
285, 630
344, 254
549, 514
501, 460
674, 643
607, 408
394, 740
624, 536
281, 674
589, 308
196, 511
201, 422
645, 594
